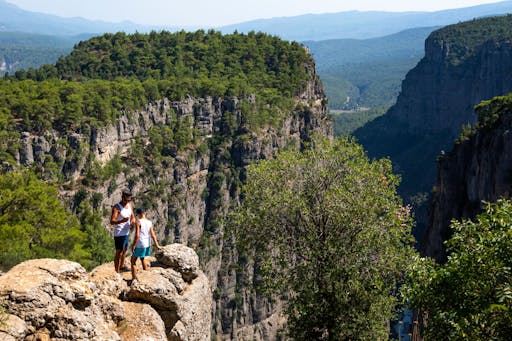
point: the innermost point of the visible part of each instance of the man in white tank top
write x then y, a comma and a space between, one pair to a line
141, 246
122, 219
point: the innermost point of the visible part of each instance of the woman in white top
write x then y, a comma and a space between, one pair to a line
141, 246
122, 218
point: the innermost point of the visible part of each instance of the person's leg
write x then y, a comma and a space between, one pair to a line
134, 267
123, 252
122, 258
144, 266
118, 243
117, 258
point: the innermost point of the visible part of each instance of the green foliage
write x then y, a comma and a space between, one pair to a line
41, 105
465, 39
24, 50
98, 241
489, 114
347, 122
108, 75
33, 223
327, 226
370, 84
200, 63
367, 72
469, 297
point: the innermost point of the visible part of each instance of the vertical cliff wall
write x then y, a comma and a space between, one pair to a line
478, 168
463, 65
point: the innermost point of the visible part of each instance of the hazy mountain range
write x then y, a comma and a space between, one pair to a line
15, 19
352, 24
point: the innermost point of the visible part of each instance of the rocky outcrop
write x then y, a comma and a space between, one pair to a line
187, 189
49, 299
479, 168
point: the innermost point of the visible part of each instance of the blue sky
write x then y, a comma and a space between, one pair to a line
220, 12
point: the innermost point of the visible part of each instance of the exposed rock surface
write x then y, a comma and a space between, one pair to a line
49, 299
478, 168
188, 190
437, 99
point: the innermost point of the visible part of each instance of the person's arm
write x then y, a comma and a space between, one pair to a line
115, 216
133, 221
153, 236
137, 235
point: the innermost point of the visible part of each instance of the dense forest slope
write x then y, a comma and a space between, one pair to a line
478, 168
175, 118
463, 65
367, 72
23, 51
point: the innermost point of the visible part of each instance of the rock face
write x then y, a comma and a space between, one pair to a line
187, 190
438, 96
49, 299
463, 65
478, 168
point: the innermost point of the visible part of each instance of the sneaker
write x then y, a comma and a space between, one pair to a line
124, 268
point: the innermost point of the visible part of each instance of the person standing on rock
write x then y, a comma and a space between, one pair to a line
141, 246
122, 218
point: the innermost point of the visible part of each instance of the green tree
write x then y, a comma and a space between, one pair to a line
328, 227
470, 296
98, 241
33, 223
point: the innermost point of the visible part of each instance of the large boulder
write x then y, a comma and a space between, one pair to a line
49, 299
181, 258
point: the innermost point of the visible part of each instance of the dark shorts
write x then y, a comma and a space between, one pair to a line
121, 242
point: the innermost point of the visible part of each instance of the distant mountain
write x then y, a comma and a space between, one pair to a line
367, 73
352, 24
13, 18
20, 50
336, 52
362, 25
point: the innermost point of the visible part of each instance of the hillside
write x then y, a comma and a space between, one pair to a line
174, 117
25, 50
438, 97
367, 72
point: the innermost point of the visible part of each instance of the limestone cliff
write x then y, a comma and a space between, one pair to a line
187, 190
463, 65
478, 168
49, 299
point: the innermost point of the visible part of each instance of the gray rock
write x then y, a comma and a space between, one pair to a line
477, 169
181, 258
57, 299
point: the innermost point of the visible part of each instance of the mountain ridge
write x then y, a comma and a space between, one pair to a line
347, 24
363, 24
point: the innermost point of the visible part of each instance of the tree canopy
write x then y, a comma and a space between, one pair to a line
470, 296
327, 225
34, 224
464, 39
